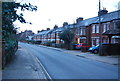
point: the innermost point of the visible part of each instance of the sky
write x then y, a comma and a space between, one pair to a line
56, 12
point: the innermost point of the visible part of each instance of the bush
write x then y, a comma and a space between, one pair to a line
9, 48
61, 45
48, 44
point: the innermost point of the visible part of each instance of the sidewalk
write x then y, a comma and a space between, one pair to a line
23, 66
106, 59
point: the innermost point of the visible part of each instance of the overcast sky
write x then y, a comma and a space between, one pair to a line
55, 12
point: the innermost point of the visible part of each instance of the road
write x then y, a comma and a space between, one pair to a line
61, 65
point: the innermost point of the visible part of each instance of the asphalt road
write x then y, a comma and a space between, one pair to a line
61, 65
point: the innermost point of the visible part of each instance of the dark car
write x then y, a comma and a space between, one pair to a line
82, 45
94, 49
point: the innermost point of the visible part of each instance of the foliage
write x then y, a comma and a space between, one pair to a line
48, 43
61, 45
9, 15
67, 36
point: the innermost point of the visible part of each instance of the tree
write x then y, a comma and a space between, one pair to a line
9, 15
67, 36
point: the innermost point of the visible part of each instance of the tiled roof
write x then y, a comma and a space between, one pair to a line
104, 18
112, 32
59, 29
44, 32
87, 22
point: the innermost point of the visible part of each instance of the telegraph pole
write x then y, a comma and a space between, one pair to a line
100, 40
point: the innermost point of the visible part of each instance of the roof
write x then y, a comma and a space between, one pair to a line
104, 18
112, 32
87, 22
59, 29
44, 32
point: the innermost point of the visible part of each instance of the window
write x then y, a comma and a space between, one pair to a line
108, 26
104, 28
97, 41
97, 28
115, 26
93, 29
80, 31
93, 42
84, 31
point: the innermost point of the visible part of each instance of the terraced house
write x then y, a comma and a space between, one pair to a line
43, 36
91, 31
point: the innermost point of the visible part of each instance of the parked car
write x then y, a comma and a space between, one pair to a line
81, 45
94, 49
74, 46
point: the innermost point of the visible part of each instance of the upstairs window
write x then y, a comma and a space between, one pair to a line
84, 31
93, 28
106, 27
97, 28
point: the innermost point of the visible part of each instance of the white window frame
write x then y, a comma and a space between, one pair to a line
97, 28
84, 31
93, 28
104, 27
108, 26
93, 39
81, 31
97, 41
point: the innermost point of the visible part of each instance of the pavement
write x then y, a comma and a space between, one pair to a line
23, 66
113, 59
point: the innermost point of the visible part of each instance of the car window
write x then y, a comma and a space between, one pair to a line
97, 46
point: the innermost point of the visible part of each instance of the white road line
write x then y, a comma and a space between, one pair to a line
49, 77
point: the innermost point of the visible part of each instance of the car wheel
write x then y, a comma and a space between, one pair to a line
95, 51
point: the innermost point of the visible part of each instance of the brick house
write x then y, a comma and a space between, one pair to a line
90, 32
58, 30
43, 36
108, 22
26, 35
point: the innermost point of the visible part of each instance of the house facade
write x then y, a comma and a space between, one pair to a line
88, 31
91, 29
26, 35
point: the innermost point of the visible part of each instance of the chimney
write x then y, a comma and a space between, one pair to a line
102, 12
55, 27
79, 19
42, 30
48, 28
65, 24
38, 31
